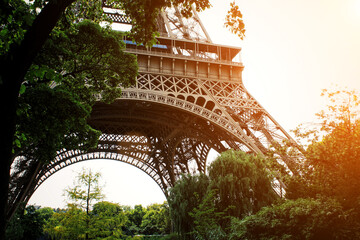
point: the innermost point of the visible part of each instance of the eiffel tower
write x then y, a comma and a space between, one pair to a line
189, 98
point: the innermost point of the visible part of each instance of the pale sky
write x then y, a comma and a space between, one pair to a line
292, 50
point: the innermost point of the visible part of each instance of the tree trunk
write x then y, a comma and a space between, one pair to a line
13, 68
24, 190
7, 129
88, 207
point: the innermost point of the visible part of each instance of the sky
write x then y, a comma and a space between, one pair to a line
292, 50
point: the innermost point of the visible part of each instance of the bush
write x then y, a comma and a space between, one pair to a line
297, 219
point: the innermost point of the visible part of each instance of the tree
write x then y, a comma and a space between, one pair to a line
332, 165
77, 221
186, 194
242, 183
238, 185
70, 223
65, 77
107, 220
206, 219
85, 191
28, 223
135, 217
324, 198
156, 220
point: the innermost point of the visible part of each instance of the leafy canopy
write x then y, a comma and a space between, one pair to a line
332, 166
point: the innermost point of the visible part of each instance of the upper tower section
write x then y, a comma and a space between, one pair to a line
170, 23
184, 47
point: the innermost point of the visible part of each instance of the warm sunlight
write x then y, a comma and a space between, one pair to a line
357, 6
355, 9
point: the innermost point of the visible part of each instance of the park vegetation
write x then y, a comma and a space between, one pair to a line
88, 216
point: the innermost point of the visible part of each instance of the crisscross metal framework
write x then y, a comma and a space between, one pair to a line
188, 99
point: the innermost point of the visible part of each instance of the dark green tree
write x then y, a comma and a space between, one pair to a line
156, 220
186, 195
107, 220
309, 219
135, 216
28, 223
242, 184
238, 185
206, 219
72, 71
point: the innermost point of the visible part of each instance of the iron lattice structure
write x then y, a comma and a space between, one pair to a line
189, 98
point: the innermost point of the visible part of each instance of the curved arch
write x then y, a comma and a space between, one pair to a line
210, 105
70, 160
200, 101
219, 120
125, 136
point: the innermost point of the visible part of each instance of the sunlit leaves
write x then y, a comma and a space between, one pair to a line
86, 189
343, 109
234, 21
67, 224
332, 166
144, 14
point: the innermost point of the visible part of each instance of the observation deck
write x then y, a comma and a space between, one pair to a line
188, 58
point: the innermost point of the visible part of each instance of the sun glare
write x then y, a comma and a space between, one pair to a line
356, 8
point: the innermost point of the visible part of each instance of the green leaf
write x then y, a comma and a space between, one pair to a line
22, 89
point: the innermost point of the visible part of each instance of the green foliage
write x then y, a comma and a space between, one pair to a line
331, 168
183, 198
86, 189
242, 182
107, 220
152, 220
28, 223
206, 219
238, 185
16, 17
72, 71
156, 220
143, 15
91, 60
68, 224
297, 219
134, 216
45, 123
110, 221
